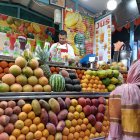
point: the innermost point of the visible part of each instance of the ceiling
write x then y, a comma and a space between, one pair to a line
91, 6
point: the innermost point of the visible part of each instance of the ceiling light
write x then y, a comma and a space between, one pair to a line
111, 5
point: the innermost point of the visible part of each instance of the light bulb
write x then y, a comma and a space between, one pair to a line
111, 5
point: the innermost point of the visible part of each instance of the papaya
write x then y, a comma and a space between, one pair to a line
55, 107
61, 103
62, 114
36, 107
44, 116
51, 128
60, 126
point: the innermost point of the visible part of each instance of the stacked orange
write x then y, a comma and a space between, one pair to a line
54, 70
80, 73
91, 83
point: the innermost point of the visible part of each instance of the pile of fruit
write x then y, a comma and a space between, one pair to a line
54, 70
4, 68
55, 119
25, 77
100, 81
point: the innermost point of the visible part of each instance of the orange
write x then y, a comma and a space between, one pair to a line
79, 121
97, 135
87, 133
83, 127
88, 77
64, 138
72, 109
84, 85
33, 128
103, 86
99, 86
96, 81
40, 127
83, 77
80, 139
57, 69
22, 116
95, 86
21, 137
85, 121
27, 108
97, 90
102, 134
78, 128
36, 120
76, 135
84, 89
31, 115
80, 76
82, 71
91, 81
28, 122
93, 130
86, 138
70, 116
38, 135
89, 126
89, 89
90, 85
72, 130
78, 71
12, 138
82, 115
86, 80
25, 130
43, 138
82, 134
19, 124
16, 132
93, 77
52, 69
91, 136
76, 115
30, 136
70, 136
74, 122
65, 131
45, 133
97, 78
100, 82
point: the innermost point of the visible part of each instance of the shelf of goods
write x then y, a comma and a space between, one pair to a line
49, 116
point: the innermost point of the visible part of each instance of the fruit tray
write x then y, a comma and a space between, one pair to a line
38, 95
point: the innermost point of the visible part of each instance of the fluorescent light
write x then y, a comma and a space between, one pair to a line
111, 5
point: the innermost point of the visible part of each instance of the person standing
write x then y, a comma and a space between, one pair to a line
124, 107
61, 49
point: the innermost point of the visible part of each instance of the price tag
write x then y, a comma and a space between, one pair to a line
91, 59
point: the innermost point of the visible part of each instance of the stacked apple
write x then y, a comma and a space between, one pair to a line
86, 119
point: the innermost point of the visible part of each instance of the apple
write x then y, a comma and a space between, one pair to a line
100, 117
82, 101
92, 119
102, 100
87, 110
94, 110
95, 102
101, 108
88, 101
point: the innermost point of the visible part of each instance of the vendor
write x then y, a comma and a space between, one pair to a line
61, 49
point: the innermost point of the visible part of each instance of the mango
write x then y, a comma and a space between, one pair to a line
60, 126
68, 102
36, 107
55, 107
44, 116
44, 104
51, 128
62, 115
61, 103
53, 118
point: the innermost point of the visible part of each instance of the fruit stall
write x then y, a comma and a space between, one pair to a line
54, 102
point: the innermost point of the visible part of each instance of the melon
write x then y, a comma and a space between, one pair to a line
27, 88
38, 88
16, 88
21, 79
27, 71
21, 62
32, 80
43, 81
57, 82
38, 72
33, 63
4, 87
15, 70
47, 88
8, 79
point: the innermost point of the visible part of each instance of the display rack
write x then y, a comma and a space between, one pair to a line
46, 95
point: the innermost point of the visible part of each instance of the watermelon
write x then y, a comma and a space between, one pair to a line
57, 82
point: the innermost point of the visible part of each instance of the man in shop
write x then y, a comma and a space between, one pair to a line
61, 50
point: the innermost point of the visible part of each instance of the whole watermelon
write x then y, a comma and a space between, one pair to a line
57, 82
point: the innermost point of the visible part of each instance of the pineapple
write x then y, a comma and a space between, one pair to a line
43, 56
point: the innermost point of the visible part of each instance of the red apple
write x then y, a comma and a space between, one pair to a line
87, 110
88, 101
92, 119
98, 127
102, 100
99, 117
82, 101
95, 102
94, 110
101, 108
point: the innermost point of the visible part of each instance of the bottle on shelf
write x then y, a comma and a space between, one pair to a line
6, 48
17, 50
